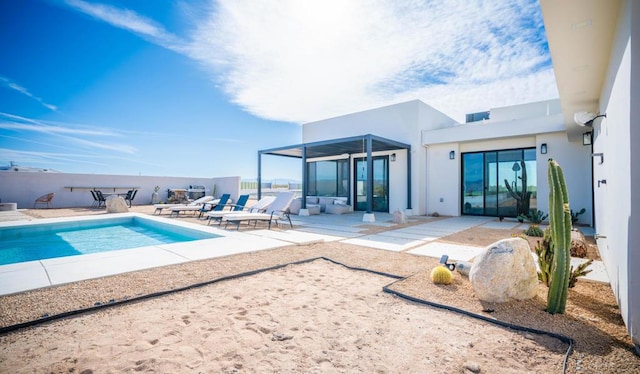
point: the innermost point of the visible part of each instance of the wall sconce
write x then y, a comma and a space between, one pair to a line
601, 155
543, 148
586, 118
392, 157
452, 155
586, 138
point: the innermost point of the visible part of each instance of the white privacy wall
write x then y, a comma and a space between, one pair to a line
617, 203
24, 187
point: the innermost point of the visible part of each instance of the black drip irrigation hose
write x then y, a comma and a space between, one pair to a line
113, 303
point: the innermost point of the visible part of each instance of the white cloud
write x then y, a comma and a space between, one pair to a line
301, 61
64, 136
16, 87
131, 21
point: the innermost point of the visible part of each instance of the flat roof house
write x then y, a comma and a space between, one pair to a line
413, 158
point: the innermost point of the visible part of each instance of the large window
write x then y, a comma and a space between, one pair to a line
328, 178
495, 184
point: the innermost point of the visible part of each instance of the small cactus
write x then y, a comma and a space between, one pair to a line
441, 275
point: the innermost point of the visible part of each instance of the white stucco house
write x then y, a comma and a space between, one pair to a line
425, 162
413, 158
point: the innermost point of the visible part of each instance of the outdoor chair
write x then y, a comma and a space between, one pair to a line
175, 211
131, 194
96, 202
216, 206
216, 215
45, 199
276, 212
198, 202
102, 201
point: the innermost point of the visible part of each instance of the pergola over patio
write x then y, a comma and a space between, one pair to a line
336, 147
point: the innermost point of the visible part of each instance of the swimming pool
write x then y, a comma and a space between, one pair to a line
38, 241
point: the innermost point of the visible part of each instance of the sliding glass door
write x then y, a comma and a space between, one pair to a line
495, 184
380, 184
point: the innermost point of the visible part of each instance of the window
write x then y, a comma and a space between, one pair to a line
328, 178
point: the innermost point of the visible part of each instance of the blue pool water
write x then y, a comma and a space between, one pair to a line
42, 241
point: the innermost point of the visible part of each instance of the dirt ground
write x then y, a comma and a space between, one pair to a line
86, 343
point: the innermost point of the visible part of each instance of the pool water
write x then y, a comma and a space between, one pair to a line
38, 242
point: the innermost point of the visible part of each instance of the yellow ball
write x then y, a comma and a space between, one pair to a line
441, 275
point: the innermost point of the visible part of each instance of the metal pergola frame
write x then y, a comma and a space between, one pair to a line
335, 147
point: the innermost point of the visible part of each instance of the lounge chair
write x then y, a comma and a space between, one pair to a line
175, 211
258, 207
45, 199
219, 209
198, 202
277, 211
130, 195
216, 205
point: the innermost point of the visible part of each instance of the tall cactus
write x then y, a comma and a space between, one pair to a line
523, 197
560, 224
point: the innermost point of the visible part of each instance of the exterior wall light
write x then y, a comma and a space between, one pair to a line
586, 118
586, 138
543, 148
392, 157
452, 155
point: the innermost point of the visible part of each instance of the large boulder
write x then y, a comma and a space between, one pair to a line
505, 271
116, 204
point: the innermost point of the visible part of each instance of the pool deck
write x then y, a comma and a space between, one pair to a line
421, 239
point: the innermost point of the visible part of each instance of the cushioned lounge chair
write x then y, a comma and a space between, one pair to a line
276, 212
175, 211
217, 206
198, 202
238, 206
258, 207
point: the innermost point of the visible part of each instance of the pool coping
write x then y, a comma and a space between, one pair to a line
25, 276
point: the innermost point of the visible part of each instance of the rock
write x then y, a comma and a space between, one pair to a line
463, 267
116, 204
504, 271
578, 244
473, 367
399, 217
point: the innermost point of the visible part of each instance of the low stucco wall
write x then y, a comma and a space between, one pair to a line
24, 188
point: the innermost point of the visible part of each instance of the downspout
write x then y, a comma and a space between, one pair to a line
369, 175
304, 177
409, 178
259, 175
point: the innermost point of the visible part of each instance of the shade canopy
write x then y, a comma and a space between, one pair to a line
336, 147
362, 144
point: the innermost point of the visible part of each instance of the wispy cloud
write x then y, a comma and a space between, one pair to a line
131, 21
64, 135
301, 61
8, 83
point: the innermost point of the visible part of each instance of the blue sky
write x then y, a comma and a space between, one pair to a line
196, 88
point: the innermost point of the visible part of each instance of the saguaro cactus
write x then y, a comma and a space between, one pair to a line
560, 224
523, 197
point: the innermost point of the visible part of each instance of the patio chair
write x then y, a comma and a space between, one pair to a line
278, 210
102, 201
131, 194
44, 199
217, 215
198, 202
175, 211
